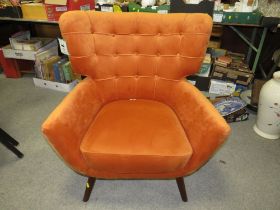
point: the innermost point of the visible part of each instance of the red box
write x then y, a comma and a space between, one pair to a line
9, 66
56, 8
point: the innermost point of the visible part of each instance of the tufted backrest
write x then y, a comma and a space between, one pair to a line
105, 45
135, 55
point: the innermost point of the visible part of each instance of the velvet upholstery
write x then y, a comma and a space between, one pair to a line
136, 64
136, 136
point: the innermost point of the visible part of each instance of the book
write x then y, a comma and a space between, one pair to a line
56, 72
67, 70
40, 57
48, 73
61, 73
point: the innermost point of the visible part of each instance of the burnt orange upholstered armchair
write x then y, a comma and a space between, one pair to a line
135, 116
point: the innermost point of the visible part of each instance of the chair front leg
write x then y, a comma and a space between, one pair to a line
182, 188
89, 187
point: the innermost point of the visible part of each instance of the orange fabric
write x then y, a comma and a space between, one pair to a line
134, 56
136, 136
104, 45
67, 124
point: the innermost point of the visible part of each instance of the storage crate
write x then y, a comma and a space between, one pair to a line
34, 11
242, 17
27, 54
55, 85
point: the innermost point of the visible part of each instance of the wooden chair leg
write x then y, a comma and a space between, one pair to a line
89, 187
182, 189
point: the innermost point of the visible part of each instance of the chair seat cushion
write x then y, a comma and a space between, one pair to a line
136, 136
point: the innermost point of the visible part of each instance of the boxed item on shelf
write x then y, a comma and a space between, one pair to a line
31, 44
34, 11
133, 7
55, 8
22, 35
10, 11
9, 52
104, 7
55, 85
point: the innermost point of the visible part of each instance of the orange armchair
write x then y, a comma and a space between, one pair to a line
134, 116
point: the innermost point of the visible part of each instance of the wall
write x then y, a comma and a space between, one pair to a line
270, 9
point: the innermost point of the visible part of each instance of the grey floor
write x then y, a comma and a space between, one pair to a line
244, 174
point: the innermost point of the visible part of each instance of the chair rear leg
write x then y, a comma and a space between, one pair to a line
182, 189
89, 187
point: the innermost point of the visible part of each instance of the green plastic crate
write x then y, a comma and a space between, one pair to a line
242, 17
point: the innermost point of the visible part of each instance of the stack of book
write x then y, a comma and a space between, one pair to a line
231, 108
224, 61
49, 66
205, 68
234, 61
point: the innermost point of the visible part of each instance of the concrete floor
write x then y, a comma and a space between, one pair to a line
244, 174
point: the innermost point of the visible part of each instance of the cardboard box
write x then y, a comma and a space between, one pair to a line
233, 75
34, 11
25, 54
221, 87
55, 85
55, 8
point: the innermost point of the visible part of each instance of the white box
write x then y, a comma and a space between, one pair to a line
55, 85
25, 54
221, 87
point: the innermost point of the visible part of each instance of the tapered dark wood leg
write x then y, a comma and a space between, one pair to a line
89, 187
182, 189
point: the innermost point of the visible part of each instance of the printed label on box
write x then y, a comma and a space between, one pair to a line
63, 46
61, 9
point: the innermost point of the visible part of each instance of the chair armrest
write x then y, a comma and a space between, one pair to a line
67, 124
205, 128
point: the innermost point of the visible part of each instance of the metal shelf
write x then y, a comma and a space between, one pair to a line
8, 19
